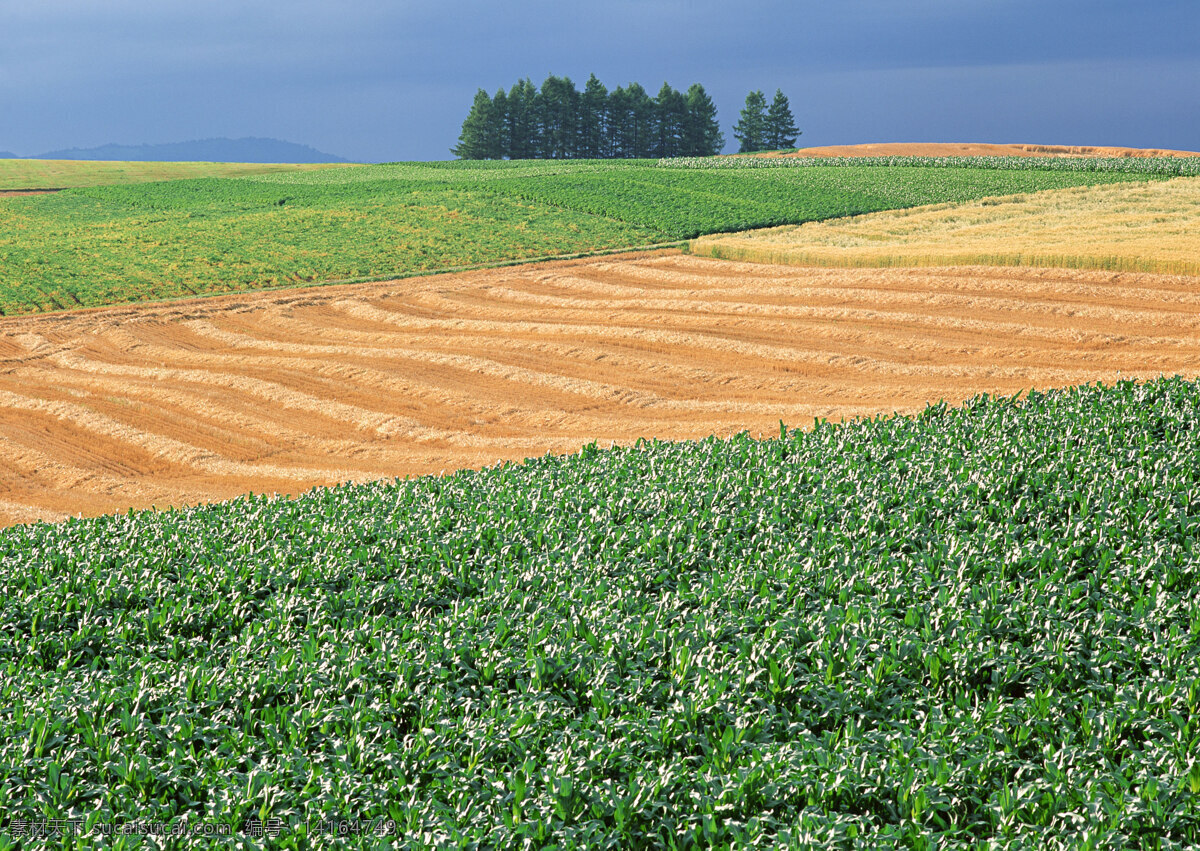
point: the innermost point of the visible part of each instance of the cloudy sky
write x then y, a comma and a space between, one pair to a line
374, 80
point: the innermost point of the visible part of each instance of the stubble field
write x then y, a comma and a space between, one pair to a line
204, 400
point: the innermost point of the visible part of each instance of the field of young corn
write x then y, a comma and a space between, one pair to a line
976, 627
101, 245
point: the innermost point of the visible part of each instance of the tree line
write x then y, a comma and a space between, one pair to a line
557, 121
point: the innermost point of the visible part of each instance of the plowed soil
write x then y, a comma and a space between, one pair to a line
184, 402
976, 149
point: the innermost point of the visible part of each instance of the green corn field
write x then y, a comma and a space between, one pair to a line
976, 627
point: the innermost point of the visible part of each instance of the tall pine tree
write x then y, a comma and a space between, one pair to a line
558, 109
751, 129
524, 140
620, 123
701, 133
498, 144
593, 120
642, 128
474, 142
670, 109
781, 124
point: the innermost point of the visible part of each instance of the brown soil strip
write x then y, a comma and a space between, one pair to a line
185, 402
975, 149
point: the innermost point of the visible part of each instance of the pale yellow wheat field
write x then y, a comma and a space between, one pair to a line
1138, 227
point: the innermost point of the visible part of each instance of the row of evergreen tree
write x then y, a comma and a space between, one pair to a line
558, 121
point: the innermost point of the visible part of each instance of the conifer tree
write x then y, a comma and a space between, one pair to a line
701, 133
558, 110
670, 109
781, 124
751, 129
473, 143
620, 123
632, 130
524, 140
642, 130
498, 144
593, 120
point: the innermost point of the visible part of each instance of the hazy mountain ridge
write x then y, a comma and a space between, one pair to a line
245, 150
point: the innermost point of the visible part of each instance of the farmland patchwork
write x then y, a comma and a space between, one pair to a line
953, 627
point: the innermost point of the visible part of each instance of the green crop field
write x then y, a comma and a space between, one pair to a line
60, 174
976, 627
114, 244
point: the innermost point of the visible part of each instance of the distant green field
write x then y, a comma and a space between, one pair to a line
973, 628
59, 174
114, 244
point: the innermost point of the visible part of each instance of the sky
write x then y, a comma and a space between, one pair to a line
372, 80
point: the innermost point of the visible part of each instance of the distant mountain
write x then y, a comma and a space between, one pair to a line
8, 155
248, 150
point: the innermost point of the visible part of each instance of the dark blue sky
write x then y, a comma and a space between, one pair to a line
376, 80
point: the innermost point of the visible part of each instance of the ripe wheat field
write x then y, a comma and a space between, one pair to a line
1144, 227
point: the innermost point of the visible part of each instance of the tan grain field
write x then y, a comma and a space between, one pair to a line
1142, 227
184, 402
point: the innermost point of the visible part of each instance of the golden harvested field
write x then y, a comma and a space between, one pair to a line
1146, 227
192, 401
